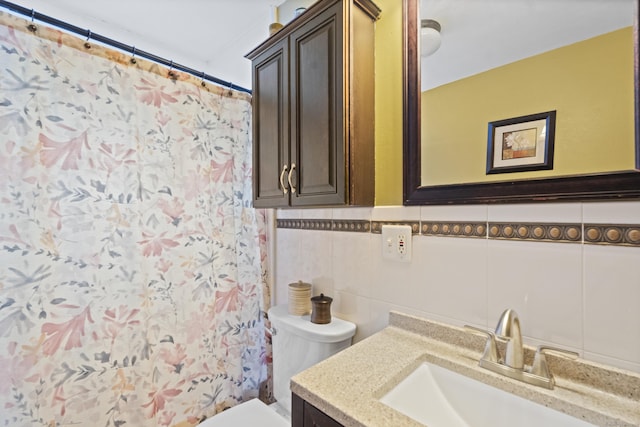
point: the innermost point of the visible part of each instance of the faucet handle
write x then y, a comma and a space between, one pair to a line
540, 367
490, 348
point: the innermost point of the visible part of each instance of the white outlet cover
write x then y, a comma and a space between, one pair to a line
396, 242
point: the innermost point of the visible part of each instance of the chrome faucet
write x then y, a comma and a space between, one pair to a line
512, 366
508, 329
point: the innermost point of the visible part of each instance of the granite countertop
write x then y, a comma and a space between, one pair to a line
348, 386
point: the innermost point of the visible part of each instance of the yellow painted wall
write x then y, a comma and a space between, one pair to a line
589, 84
388, 116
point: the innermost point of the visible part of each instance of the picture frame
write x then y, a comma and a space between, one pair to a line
521, 143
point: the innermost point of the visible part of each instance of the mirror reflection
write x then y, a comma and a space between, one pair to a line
498, 60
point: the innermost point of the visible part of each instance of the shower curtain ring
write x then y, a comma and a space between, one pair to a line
171, 73
133, 55
32, 27
202, 82
87, 45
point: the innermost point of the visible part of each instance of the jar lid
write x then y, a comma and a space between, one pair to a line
300, 285
321, 299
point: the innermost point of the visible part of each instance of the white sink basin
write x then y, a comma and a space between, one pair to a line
438, 397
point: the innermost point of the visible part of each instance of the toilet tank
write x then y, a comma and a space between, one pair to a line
299, 344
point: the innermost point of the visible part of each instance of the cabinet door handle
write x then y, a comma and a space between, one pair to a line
293, 188
285, 190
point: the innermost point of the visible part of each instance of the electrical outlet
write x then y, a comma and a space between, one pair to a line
396, 242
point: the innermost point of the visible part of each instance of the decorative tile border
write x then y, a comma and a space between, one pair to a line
612, 234
454, 229
595, 234
539, 232
376, 226
361, 226
305, 224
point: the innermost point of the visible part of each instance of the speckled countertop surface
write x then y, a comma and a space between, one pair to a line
348, 386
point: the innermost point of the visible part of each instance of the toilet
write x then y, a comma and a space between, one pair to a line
297, 345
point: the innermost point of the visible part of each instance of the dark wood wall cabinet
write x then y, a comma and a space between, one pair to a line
313, 108
304, 414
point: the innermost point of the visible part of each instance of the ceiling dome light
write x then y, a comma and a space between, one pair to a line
429, 36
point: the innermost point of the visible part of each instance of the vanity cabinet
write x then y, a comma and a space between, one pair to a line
313, 108
304, 414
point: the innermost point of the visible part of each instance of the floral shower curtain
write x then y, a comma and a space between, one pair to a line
131, 263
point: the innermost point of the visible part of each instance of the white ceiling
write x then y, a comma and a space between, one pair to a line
214, 35
478, 35
208, 35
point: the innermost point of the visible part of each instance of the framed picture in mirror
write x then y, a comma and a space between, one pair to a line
521, 143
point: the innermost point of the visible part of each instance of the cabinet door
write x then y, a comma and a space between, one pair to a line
317, 113
313, 417
271, 127
304, 414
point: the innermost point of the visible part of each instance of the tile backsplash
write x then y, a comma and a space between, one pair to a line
577, 291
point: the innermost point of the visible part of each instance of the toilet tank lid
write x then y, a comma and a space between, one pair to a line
336, 331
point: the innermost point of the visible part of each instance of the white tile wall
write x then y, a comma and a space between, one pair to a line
547, 212
395, 213
580, 297
612, 212
453, 278
352, 258
543, 283
288, 263
612, 302
288, 213
352, 213
454, 213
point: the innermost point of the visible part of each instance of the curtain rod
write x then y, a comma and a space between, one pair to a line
114, 43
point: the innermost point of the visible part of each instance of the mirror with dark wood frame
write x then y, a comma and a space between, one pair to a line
591, 186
